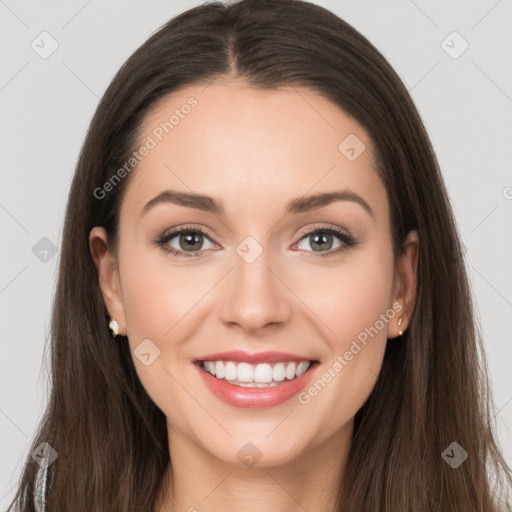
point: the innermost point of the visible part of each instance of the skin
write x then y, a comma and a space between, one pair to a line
255, 151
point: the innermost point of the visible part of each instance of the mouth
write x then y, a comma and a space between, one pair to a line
259, 380
262, 375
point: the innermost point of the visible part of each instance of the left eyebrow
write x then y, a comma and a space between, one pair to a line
295, 206
312, 202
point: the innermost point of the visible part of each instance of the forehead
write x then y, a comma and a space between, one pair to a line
259, 147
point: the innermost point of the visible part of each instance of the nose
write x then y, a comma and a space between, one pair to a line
255, 297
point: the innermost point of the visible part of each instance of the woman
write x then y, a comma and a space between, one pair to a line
262, 302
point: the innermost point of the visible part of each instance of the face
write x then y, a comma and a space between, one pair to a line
314, 281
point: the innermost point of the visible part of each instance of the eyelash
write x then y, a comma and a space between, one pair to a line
348, 240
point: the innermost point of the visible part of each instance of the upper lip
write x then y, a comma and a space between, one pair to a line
255, 358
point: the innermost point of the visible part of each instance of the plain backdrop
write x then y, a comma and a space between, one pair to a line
461, 84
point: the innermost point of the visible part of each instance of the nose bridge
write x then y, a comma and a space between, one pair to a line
254, 296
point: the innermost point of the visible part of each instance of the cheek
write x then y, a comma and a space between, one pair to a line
159, 301
358, 311
156, 293
349, 297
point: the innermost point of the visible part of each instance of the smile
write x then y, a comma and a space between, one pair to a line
255, 375
264, 379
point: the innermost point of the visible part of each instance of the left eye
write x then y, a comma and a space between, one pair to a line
323, 238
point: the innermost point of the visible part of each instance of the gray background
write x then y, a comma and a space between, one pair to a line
465, 102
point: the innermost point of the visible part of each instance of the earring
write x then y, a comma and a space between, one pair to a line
400, 323
114, 326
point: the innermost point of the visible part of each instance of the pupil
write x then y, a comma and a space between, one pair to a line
187, 237
324, 238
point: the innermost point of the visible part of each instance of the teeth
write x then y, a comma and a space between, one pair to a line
255, 375
290, 370
301, 368
263, 373
230, 372
244, 373
219, 370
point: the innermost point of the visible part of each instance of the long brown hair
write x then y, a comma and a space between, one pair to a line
433, 389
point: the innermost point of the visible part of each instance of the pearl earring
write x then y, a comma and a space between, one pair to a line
114, 326
400, 323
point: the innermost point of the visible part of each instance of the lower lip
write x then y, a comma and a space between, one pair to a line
256, 398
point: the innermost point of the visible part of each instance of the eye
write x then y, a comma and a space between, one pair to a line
189, 240
321, 240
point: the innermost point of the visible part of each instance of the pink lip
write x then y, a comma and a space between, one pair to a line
239, 356
256, 398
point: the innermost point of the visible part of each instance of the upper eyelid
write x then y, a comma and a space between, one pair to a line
319, 227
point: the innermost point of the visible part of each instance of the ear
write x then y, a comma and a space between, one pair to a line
405, 283
108, 274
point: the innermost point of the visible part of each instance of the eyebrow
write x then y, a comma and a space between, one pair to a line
299, 205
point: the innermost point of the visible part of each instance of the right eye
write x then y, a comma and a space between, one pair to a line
187, 238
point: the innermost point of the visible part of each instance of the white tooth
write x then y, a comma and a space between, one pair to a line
290, 371
211, 367
278, 372
245, 372
301, 368
205, 365
219, 369
263, 373
230, 371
